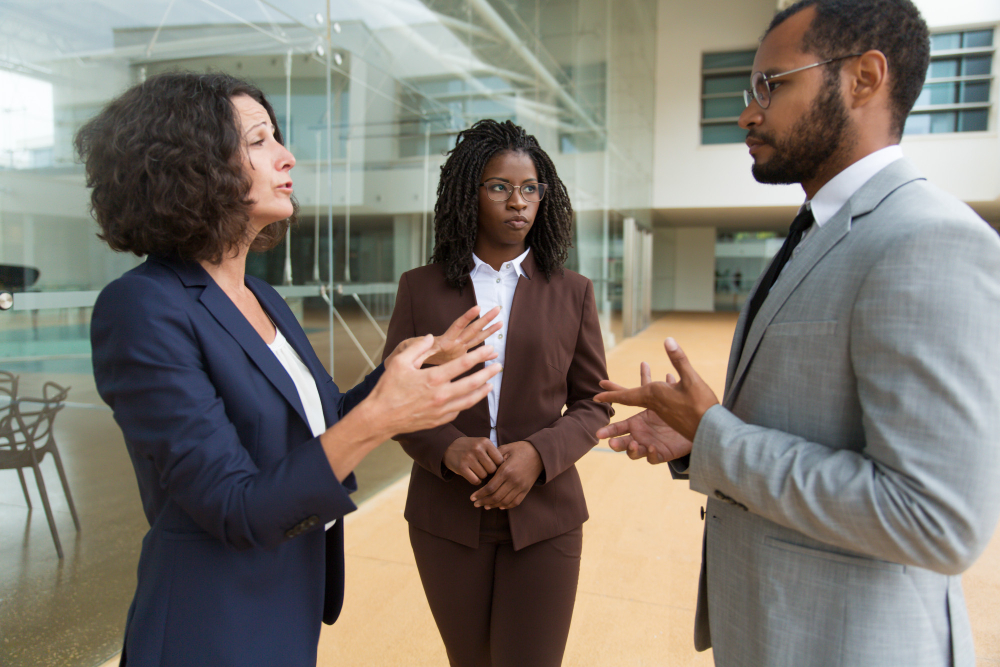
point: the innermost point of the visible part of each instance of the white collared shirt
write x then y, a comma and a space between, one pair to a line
496, 288
305, 385
832, 196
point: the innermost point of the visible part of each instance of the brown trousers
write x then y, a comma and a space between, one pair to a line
496, 607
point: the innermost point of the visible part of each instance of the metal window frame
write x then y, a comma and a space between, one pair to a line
945, 54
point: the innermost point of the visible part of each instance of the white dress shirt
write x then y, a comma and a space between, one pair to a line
305, 385
496, 288
832, 196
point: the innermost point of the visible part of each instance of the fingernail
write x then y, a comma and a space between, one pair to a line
671, 344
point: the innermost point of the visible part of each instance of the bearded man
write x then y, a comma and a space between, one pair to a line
851, 469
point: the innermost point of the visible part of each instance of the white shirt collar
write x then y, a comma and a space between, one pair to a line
516, 264
832, 196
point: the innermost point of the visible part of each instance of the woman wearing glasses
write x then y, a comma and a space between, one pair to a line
495, 504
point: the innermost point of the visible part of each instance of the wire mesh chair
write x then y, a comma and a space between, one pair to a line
26, 436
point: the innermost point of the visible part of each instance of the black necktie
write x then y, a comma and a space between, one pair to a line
802, 222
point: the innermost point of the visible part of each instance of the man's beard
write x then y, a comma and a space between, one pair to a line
814, 139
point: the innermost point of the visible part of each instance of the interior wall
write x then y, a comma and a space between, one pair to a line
684, 269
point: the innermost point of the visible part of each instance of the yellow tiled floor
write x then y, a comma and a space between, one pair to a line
642, 548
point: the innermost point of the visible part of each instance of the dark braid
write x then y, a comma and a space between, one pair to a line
456, 213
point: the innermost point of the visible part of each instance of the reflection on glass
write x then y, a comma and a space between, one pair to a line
726, 84
722, 107
978, 91
977, 39
975, 120
976, 65
946, 40
723, 134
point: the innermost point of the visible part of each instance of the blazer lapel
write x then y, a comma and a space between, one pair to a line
282, 318
231, 319
863, 202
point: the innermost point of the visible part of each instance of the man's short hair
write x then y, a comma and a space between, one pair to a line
893, 27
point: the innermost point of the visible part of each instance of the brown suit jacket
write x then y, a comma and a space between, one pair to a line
554, 359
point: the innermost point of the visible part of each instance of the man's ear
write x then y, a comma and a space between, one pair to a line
868, 78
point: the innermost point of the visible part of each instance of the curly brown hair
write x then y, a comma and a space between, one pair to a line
456, 213
165, 164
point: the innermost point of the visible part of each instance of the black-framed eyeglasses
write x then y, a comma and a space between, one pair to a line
501, 191
760, 83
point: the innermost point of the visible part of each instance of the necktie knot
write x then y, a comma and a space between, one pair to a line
802, 222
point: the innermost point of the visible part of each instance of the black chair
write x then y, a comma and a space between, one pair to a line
17, 278
8, 387
26, 436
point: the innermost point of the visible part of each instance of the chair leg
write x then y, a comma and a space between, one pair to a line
65, 485
24, 487
48, 509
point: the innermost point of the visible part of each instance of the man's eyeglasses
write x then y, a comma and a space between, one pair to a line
500, 191
760, 83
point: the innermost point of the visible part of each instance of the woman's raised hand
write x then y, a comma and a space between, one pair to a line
410, 398
464, 333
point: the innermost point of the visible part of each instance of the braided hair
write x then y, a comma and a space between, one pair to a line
456, 213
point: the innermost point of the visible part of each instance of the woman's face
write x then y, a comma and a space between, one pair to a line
504, 225
267, 162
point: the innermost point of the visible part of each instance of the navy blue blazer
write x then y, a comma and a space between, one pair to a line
236, 568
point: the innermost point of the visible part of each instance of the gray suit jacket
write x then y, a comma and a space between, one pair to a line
852, 469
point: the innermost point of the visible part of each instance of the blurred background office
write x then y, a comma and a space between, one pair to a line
635, 100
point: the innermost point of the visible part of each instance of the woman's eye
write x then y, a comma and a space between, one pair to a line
498, 187
529, 189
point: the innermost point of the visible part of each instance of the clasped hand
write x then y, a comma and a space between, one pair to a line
515, 468
665, 430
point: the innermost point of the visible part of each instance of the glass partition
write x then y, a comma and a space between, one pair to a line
369, 94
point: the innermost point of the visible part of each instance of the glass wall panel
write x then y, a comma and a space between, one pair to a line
369, 98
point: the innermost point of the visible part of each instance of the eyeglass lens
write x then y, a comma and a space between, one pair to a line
498, 191
759, 90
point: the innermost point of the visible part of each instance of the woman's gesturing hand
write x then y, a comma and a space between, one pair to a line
514, 478
475, 459
408, 398
464, 333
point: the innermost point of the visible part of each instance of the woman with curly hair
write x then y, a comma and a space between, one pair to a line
500, 561
242, 444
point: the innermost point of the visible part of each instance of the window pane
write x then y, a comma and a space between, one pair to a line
943, 68
939, 93
942, 122
725, 107
946, 40
972, 65
726, 84
978, 91
975, 120
734, 59
723, 134
977, 38
918, 123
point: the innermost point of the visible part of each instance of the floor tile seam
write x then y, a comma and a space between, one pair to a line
380, 560
379, 499
637, 601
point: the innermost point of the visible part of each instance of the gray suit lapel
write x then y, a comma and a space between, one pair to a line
864, 201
